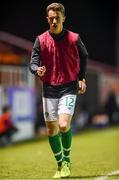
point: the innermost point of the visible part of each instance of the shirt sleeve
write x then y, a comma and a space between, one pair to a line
35, 57
83, 57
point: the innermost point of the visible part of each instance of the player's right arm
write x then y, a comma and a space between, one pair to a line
34, 65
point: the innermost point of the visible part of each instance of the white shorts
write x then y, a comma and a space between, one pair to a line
53, 107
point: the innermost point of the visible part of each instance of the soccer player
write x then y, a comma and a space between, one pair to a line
59, 58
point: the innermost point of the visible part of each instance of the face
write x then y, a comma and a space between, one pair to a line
55, 20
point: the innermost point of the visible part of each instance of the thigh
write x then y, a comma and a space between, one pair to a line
50, 109
67, 104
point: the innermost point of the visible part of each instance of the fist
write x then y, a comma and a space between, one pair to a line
82, 86
41, 71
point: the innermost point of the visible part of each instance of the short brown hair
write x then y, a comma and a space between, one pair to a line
55, 7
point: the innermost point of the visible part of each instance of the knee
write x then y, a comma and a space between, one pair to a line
52, 131
52, 128
63, 126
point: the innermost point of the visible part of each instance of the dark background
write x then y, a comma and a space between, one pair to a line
95, 21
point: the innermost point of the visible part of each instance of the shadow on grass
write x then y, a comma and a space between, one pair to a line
24, 142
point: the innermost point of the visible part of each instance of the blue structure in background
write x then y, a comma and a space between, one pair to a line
22, 101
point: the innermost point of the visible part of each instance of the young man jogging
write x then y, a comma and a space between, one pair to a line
59, 58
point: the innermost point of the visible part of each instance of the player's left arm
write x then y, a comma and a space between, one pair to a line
83, 57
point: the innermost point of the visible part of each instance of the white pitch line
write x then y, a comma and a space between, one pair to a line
106, 176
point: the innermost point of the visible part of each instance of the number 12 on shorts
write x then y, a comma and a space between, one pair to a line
70, 102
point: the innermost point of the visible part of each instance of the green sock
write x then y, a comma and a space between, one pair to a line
55, 144
66, 143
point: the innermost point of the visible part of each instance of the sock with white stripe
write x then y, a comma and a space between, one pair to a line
55, 144
66, 143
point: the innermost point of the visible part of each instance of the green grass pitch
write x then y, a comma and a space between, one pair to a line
94, 153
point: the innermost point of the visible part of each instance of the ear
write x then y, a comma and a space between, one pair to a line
64, 18
47, 19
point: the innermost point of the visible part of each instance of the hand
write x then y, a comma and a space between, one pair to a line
41, 71
82, 86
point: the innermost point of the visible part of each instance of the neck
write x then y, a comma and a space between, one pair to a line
57, 31
58, 36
